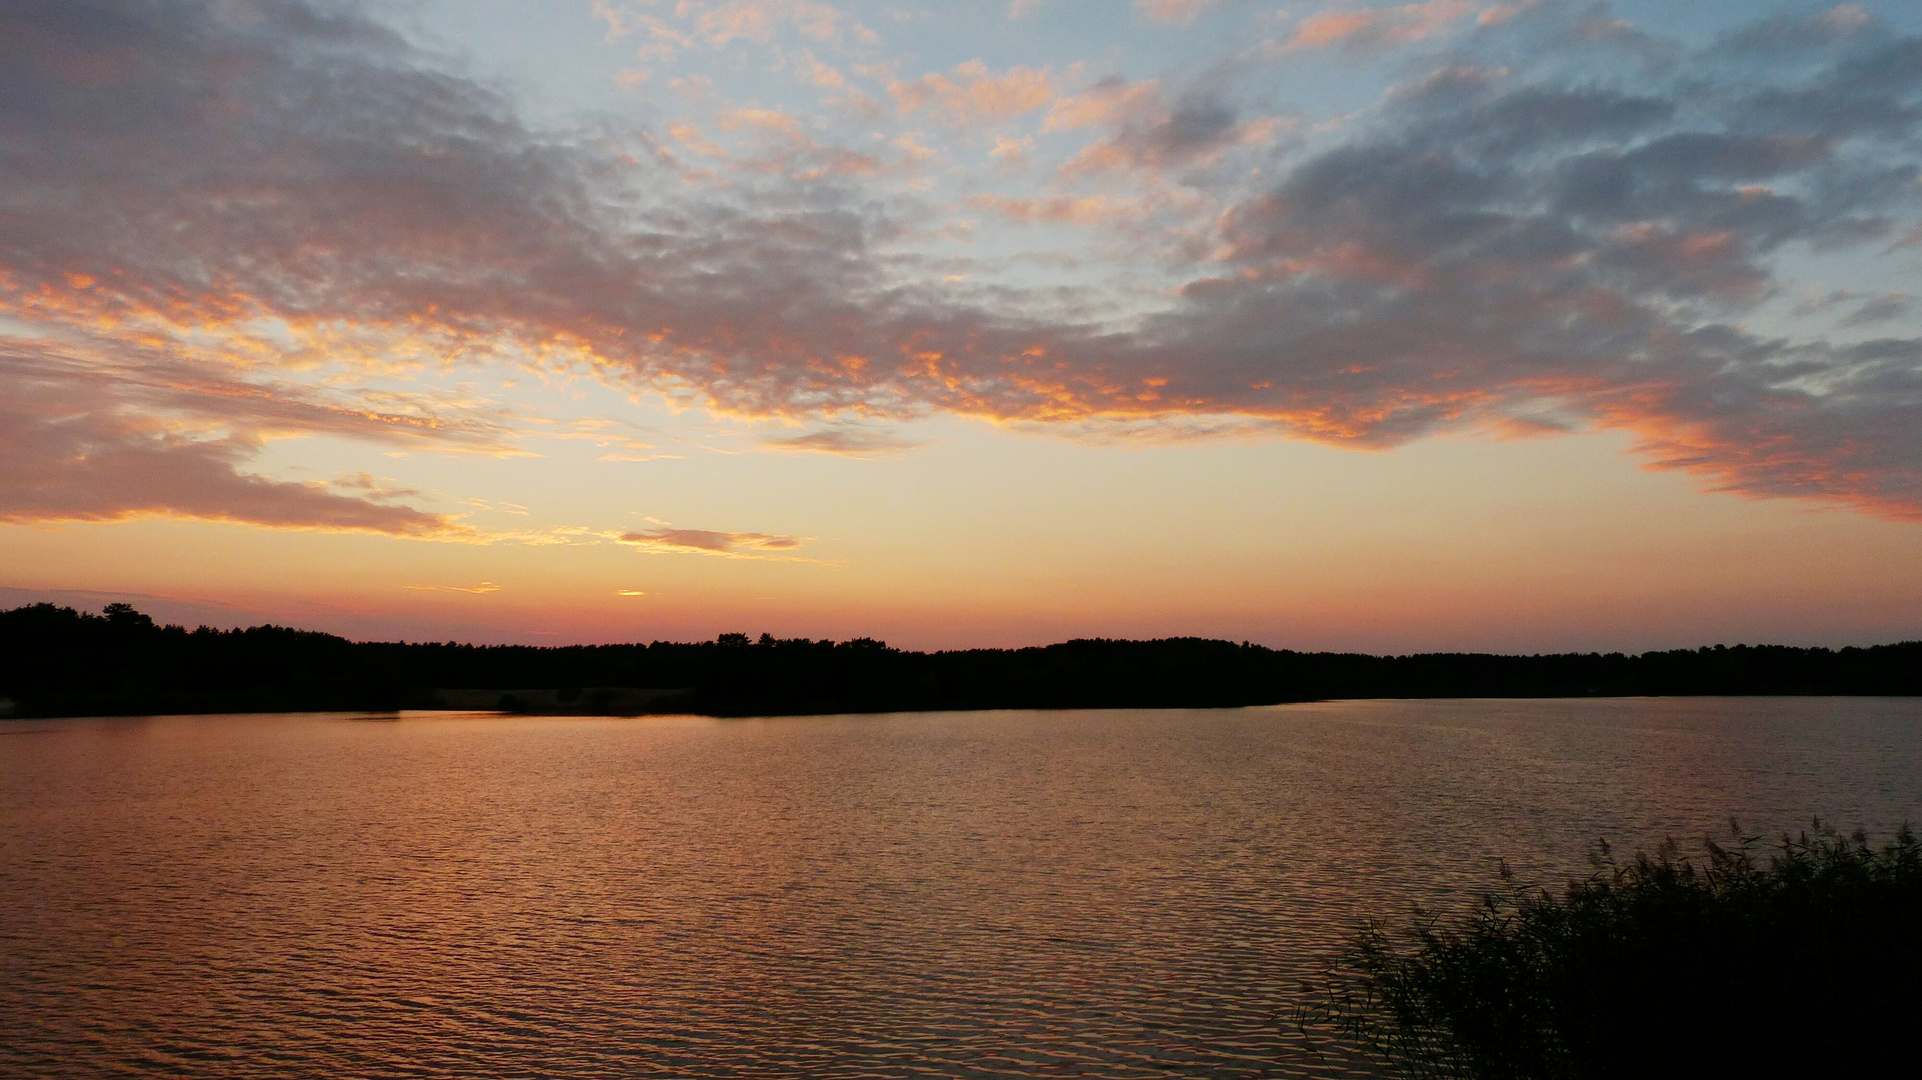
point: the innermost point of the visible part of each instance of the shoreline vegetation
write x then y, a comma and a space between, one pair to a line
1714, 963
56, 661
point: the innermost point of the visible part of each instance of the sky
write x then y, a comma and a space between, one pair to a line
1529, 326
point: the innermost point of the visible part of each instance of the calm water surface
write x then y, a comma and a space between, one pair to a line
1102, 893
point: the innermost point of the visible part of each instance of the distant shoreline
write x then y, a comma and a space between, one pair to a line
55, 661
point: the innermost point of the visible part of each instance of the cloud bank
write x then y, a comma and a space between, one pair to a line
85, 437
1561, 217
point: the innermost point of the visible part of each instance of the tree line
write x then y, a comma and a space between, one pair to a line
58, 661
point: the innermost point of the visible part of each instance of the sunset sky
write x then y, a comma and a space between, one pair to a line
1391, 327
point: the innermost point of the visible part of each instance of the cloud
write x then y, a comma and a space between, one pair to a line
1173, 11
91, 438
74, 471
1012, 154
1546, 224
756, 19
848, 442
1500, 239
1375, 29
690, 136
1112, 100
202, 198
734, 545
973, 96
482, 589
722, 23
822, 75
1060, 209
379, 487
791, 151
1880, 309
1152, 134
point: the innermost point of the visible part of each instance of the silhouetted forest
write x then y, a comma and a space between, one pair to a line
55, 661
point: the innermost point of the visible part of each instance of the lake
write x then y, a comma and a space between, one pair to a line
1104, 893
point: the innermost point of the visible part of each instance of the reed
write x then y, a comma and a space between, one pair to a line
1797, 958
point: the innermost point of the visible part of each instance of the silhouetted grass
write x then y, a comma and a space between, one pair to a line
1721, 963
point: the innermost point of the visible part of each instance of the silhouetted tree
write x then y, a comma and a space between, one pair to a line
55, 660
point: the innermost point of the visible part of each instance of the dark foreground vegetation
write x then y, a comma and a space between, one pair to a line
1720, 964
56, 661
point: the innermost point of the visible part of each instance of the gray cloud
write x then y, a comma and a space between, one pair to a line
1565, 217
1494, 240
851, 442
1151, 134
1879, 309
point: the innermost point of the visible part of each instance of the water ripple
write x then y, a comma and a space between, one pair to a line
1069, 894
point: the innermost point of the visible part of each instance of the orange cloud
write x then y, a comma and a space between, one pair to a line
972, 96
1374, 29
1108, 101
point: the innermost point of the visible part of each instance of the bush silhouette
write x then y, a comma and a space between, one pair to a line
1708, 965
